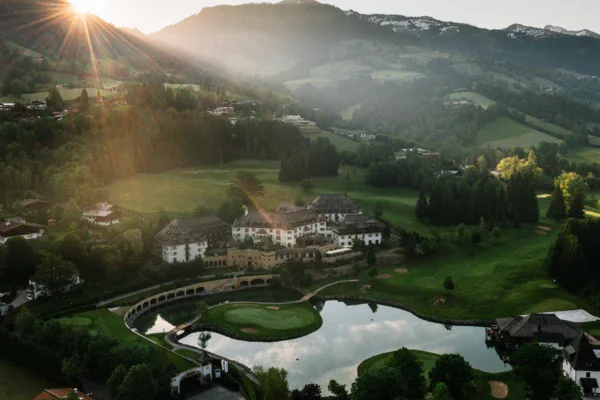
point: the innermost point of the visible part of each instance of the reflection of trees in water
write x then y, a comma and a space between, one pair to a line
448, 327
318, 304
145, 322
203, 339
373, 307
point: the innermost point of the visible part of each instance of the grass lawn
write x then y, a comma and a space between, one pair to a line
286, 320
341, 143
18, 383
538, 123
182, 191
516, 388
395, 75
492, 280
504, 132
476, 98
584, 154
348, 113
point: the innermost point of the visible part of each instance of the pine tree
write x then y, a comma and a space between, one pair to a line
422, 208
557, 208
576, 207
84, 101
54, 100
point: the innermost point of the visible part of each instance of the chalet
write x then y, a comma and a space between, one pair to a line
17, 227
102, 214
7, 106
582, 363
283, 228
186, 240
358, 227
543, 328
33, 206
334, 207
222, 111
36, 105
54, 394
301, 123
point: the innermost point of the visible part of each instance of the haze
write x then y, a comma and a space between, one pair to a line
152, 15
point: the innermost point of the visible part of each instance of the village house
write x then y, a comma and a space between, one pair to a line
17, 227
187, 239
304, 125
7, 106
54, 394
222, 111
582, 363
282, 228
102, 214
34, 206
334, 207
36, 105
354, 228
37, 290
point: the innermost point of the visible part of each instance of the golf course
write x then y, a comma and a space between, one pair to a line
266, 321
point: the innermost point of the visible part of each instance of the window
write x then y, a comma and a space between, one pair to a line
588, 375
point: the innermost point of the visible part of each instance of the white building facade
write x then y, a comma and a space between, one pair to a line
18, 228
103, 214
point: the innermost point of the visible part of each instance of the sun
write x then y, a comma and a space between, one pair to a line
86, 6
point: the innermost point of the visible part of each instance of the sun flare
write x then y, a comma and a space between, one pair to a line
85, 6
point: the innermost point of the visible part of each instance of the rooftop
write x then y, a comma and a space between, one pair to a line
194, 230
335, 204
17, 228
360, 222
52, 394
547, 326
289, 207
582, 354
276, 220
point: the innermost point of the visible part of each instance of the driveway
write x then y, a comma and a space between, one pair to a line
20, 299
218, 393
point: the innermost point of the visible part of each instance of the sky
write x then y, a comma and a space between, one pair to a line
153, 15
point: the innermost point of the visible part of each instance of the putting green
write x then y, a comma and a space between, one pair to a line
289, 318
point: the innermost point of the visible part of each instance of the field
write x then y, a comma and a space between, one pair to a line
277, 321
516, 388
395, 75
476, 98
341, 143
182, 191
348, 113
584, 154
504, 132
17, 383
67, 95
538, 123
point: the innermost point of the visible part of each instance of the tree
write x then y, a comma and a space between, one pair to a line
338, 391
557, 209
72, 249
203, 311
463, 235
133, 237
307, 186
412, 371
497, 233
72, 214
3, 262
567, 389
139, 383
576, 207
448, 284
73, 369
25, 321
246, 186
231, 210
274, 383
572, 185
371, 257
453, 371
378, 211
382, 383
115, 381
21, 261
54, 100
540, 367
202, 211
55, 274
422, 208
441, 392
311, 391
84, 101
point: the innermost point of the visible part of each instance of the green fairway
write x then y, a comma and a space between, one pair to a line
267, 321
516, 388
538, 123
348, 113
476, 98
492, 280
18, 383
341, 143
504, 132
181, 191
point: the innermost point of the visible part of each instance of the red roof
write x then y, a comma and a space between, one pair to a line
53, 394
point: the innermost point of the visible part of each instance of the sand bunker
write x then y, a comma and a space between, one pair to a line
273, 308
250, 330
499, 390
544, 228
541, 233
401, 270
384, 276
246, 305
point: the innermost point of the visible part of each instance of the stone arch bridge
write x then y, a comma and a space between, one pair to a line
195, 290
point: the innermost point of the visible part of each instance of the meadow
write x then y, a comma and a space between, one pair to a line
341, 143
584, 154
180, 192
504, 132
477, 99
66, 94
516, 388
348, 113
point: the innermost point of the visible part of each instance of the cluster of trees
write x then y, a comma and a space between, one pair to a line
570, 191
572, 259
402, 377
133, 370
319, 159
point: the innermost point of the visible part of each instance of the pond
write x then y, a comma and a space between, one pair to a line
349, 335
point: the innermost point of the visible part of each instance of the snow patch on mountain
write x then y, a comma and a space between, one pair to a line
581, 33
402, 24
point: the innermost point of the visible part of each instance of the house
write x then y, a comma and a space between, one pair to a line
283, 228
358, 227
334, 207
184, 240
102, 214
544, 328
34, 206
52, 394
298, 121
36, 290
222, 111
7, 106
17, 227
36, 105
582, 363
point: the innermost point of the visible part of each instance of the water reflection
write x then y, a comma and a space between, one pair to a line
350, 334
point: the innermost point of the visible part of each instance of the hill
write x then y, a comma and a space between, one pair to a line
504, 132
53, 32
